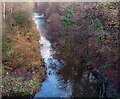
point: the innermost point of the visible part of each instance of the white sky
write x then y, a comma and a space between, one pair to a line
59, 0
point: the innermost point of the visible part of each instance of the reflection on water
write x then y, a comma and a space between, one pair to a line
73, 80
54, 85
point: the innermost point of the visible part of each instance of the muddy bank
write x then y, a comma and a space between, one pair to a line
84, 36
22, 65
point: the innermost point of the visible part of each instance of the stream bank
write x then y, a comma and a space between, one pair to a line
53, 85
84, 36
23, 69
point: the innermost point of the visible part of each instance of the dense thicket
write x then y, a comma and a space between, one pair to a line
85, 35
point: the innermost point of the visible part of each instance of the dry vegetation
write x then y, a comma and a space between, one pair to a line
22, 65
85, 36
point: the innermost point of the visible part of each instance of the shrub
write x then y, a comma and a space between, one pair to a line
68, 20
105, 66
21, 18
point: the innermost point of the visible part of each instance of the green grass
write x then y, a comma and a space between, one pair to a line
19, 86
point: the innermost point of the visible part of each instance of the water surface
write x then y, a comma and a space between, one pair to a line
54, 85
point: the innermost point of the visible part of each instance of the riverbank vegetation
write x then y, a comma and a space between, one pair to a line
85, 37
68, 20
22, 65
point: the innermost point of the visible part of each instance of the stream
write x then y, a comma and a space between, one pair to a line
53, 85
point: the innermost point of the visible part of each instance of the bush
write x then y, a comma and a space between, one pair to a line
21, 18
68, 20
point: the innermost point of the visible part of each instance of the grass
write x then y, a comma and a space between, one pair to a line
19, 86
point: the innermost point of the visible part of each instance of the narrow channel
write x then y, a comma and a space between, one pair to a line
53, 85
